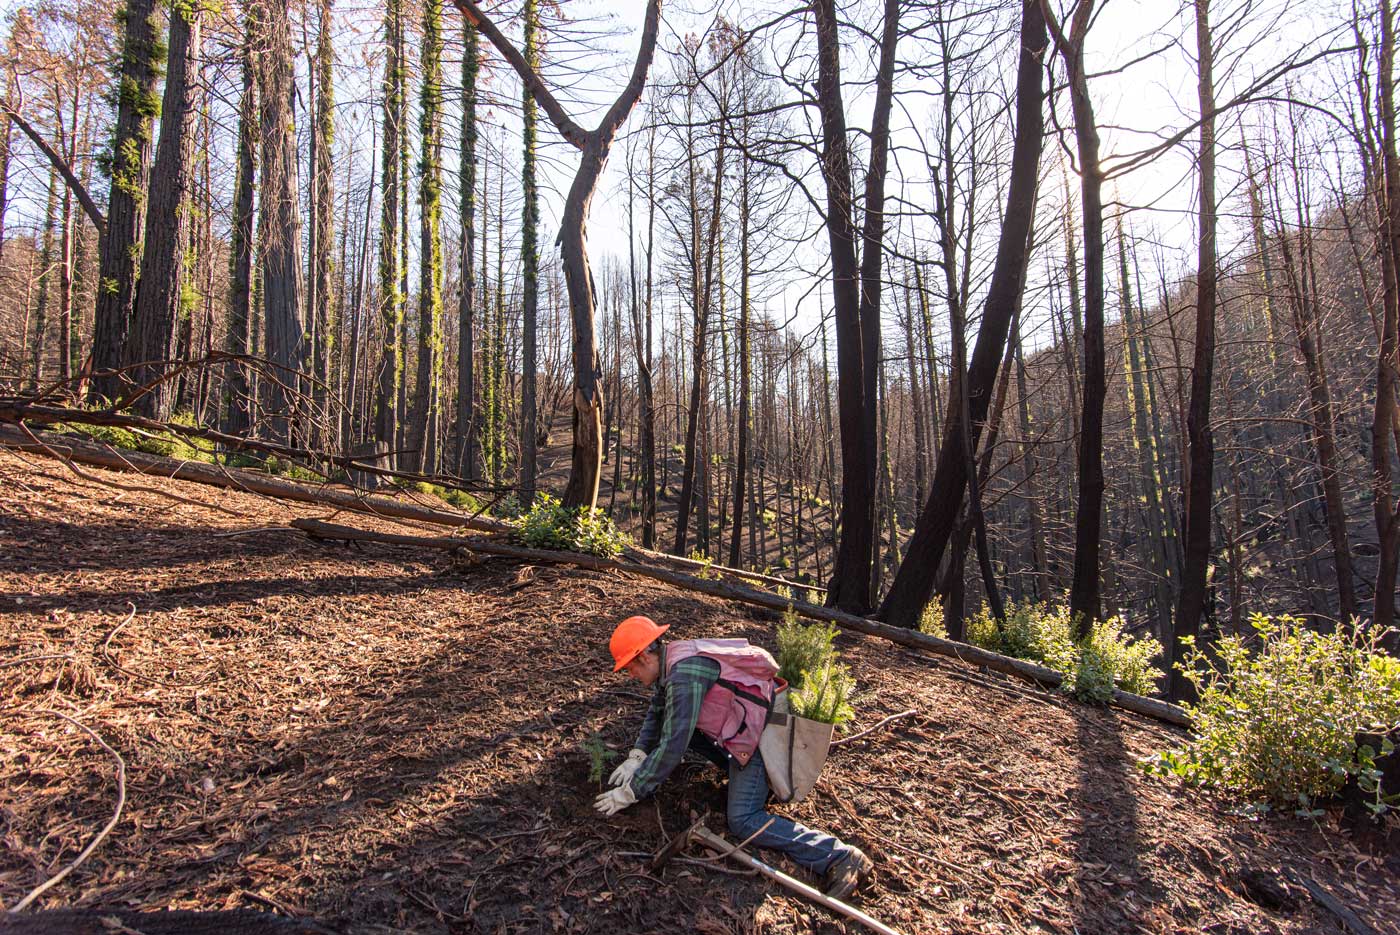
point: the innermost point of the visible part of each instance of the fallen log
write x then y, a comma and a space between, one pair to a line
647, 554
974, 655
94, 453
86, 452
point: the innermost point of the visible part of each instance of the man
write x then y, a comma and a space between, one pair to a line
713, 696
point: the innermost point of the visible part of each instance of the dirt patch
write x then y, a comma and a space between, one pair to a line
385, 739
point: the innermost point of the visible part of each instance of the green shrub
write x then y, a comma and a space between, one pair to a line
460, 499
550, 525
508, 507
825, 693
451, 495
110, 434
170, 445
1106, 659
1109, 659
1031, 631
1277, 726
706, 561
931, 620
244, 459
161, 444
284, 467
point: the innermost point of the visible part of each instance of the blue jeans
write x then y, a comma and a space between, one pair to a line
748, 794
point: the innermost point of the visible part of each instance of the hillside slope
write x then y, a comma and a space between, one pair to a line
388, 741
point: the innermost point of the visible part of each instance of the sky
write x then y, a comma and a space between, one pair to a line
1141, 55
1137, 96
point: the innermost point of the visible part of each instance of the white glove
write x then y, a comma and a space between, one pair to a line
615, 800
623, 774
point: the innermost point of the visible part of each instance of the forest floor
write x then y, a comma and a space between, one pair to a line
385, 739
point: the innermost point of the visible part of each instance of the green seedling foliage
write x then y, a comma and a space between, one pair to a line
451, 495
931, 620
803, 648
825, 693
599, 756
707, 562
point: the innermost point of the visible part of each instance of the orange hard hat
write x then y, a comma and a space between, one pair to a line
630, 637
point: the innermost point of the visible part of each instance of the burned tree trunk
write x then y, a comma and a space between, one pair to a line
913, 584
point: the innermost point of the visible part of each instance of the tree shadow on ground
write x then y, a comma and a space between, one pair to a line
1115, 889
45, 546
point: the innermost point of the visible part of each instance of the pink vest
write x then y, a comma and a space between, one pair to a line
728, 718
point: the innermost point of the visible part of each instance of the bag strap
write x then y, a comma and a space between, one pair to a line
745, 694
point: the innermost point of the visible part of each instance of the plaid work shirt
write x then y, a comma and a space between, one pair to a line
671, 719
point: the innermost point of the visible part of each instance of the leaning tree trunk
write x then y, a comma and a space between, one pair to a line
151, 344
913, 582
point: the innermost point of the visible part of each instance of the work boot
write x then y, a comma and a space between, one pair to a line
846, 874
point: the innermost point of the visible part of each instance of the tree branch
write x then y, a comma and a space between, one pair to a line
90, 206
571, 131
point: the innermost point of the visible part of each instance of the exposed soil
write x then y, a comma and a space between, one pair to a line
389, 740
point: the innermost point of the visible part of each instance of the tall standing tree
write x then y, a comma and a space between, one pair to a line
1199, 476
466, 300
143, 57
1386, 512
594, 147
1084, 595
856, 296
6, 130
238, 410
642, 319
41, 307
391, 300
529, 263
158, 292
430, 350
321, 234
283, 287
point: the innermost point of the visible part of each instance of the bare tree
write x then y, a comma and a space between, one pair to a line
594, 147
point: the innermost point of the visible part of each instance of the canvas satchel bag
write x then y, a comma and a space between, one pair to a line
794, 750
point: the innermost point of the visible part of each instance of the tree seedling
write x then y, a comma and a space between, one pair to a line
599, 756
